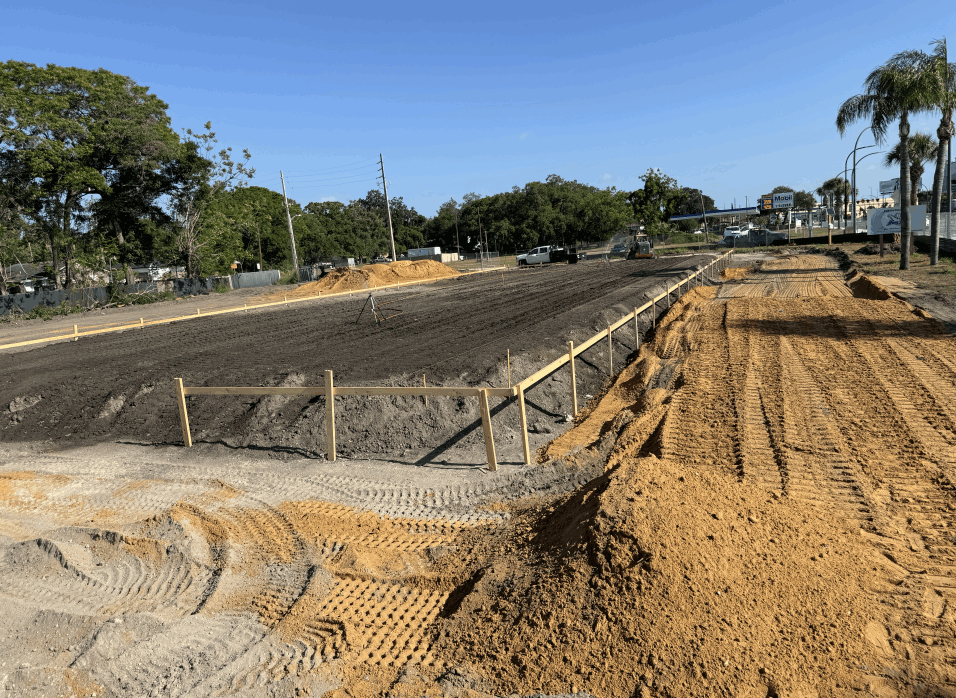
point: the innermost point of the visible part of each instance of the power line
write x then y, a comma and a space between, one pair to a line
331, 179
326, 169
306, 185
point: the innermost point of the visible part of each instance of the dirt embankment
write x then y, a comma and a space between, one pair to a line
774, 518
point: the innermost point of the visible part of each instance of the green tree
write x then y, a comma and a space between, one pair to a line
206, 236
922, 150
804, 200
892, 92
650, 203
67, 135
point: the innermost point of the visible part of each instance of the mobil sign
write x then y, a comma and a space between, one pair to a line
783, 200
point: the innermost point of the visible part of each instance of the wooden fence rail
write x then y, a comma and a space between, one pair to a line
518, 390
329, 389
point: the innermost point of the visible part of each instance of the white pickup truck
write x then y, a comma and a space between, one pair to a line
548, 254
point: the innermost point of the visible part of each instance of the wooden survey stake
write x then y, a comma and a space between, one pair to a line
486, 428
574, 383
183, 416
526, 448
329, 416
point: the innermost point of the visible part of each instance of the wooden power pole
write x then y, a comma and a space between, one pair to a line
388, 208
288, 218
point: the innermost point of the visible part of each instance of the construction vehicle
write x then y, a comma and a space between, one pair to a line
640, 246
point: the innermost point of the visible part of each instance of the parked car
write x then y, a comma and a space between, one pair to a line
619, 248
763, 236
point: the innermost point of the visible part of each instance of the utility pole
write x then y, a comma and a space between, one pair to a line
288, 218
481, 245
391, 235
457, 246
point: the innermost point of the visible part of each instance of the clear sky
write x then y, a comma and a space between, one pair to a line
732, 98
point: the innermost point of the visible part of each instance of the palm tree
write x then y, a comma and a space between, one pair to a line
941, 78
923, 150
893, 91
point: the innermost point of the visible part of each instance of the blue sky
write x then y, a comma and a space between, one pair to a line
732, 98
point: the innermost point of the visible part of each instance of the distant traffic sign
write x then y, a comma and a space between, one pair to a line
889, 186
783, 200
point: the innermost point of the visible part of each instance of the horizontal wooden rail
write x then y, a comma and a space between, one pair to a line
362, 391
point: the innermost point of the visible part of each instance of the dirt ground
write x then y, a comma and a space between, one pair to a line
454, 332
760, 504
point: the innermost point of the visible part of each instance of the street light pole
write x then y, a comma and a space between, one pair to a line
853, 186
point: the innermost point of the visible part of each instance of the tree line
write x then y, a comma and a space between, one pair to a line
93, 177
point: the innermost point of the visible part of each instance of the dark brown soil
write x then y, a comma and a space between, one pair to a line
455, 332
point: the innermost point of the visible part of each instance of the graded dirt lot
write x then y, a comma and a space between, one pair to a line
760, 504
455, 332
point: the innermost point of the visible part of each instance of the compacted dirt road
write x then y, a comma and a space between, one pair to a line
760, 504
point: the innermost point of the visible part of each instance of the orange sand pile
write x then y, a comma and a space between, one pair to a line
372, 276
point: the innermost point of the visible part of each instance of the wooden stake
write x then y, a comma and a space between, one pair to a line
524, 426
141, 322
425, 385
75, 337
637, 332
509, 368
329, 416
610, 353
574, 383
197, 311
654, 314
183, 415
486, 428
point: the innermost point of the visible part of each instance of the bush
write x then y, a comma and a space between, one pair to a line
289, 277
221, 288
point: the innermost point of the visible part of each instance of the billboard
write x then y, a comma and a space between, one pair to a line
889, 186
783, 200
886, 221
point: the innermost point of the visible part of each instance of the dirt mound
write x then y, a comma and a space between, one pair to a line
731, 273
874, 248
659, 579
373, 275
865, 287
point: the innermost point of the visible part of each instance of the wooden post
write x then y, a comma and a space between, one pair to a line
425, 385
574, 382
75, 334
197, 311
668, 298
141, 323
637, 332
486, 428
524, 425
610, 353
329, 416
183, 415
509, 368
654, 314
245, 308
